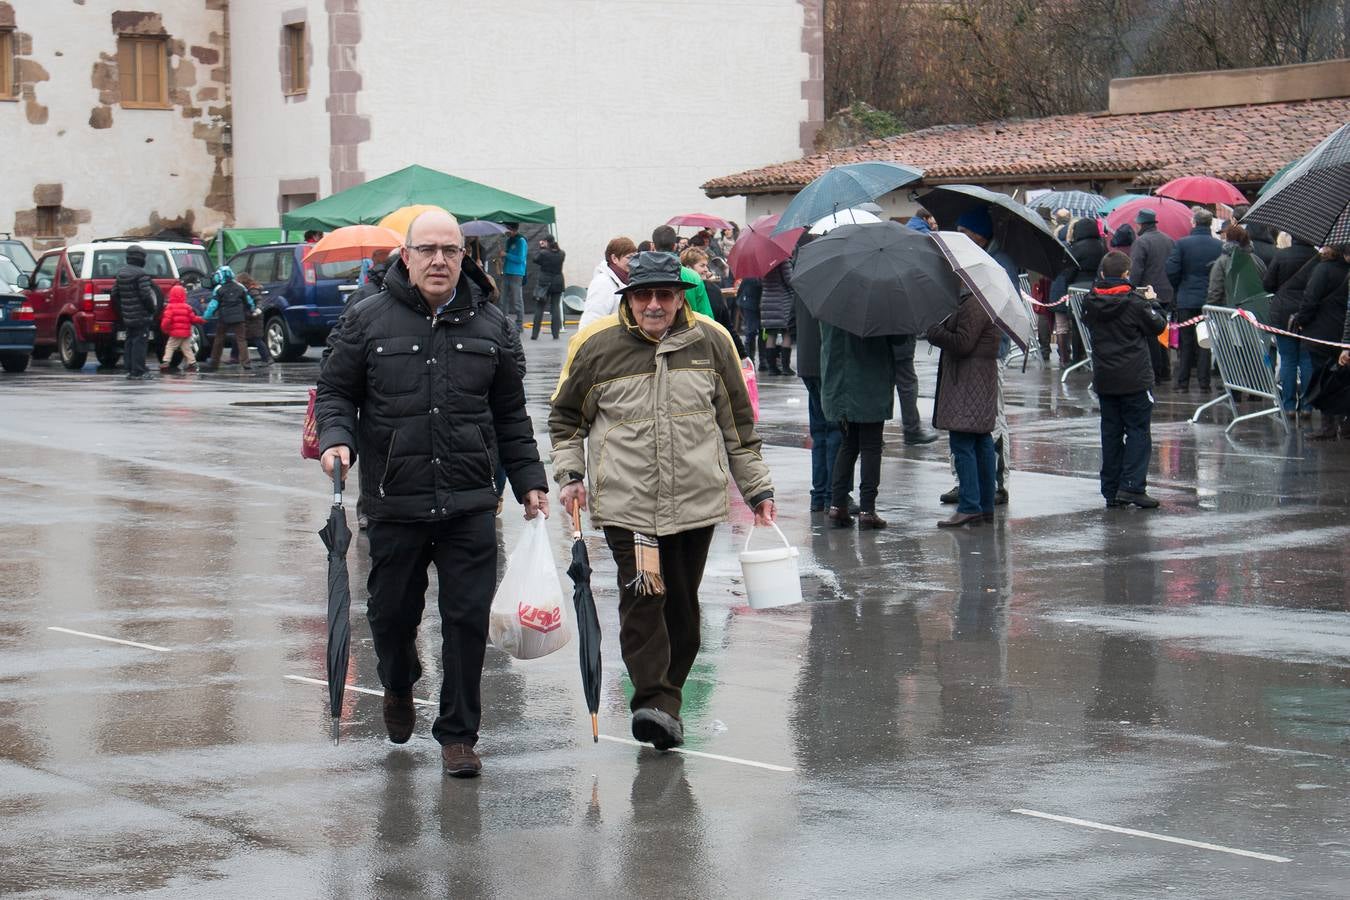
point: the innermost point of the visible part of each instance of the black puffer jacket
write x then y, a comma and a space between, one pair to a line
1322, 313
1286, 278
135, 297
775, 302
432, 404
1121, 324
1087, 249
550, 263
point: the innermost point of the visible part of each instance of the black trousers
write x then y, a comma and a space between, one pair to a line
659, 635
860, 439
1126, 442
1190, 354
135, 348
464, 550
553, 302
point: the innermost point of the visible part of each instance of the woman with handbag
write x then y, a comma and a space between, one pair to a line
549, 259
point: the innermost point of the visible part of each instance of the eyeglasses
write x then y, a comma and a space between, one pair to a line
647, 295
429, 251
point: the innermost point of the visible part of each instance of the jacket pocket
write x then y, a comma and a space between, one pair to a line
473, 365
396, 365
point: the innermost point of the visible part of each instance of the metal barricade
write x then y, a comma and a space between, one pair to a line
1241, 352
1076, 310
1033, 340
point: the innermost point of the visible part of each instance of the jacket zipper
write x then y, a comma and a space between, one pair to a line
492, 478
387, 459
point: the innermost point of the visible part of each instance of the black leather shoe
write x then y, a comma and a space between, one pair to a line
400, 716
660, 729
952, 496
921, 436
1141, 500
961, 519
1001, 497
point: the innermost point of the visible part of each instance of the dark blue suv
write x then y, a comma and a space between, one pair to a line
301, 301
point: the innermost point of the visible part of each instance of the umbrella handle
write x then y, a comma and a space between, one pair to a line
337, 482
576, 519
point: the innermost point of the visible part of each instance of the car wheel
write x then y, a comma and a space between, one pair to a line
66, 342
42, 352
279, 341
200, 349
107, 356
13, 362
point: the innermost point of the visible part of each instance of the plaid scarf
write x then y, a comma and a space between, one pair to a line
647, 553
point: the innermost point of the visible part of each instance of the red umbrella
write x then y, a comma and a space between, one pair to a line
758, 250
1202, 189
1174, 219
699, 220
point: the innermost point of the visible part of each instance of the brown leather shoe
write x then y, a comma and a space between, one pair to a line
870, 520
839, 517
962, 519
400, 715
459, 761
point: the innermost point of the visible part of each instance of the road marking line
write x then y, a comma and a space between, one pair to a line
351, 687
1149, 834
699, 753
111, 640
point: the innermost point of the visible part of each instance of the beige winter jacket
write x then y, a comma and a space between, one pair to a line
654, 426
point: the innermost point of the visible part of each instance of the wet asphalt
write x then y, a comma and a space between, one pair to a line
905, 732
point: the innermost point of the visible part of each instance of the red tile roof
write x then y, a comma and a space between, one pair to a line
1242, 144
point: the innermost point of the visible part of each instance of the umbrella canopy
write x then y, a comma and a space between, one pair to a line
699, 220
758, 250
1202, 189
852, 216
481, 228
370, 202
1020, 233
588, 622
989, 282
877, 279
337, 537
1174, 219
1312, 200
399, 220
843, 187
1078, 203
352, 243
1274, 179
1115, 202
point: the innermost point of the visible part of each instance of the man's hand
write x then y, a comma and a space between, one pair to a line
337, 452
573, 494
1150, 293
765, 513
536, 502
1345, 358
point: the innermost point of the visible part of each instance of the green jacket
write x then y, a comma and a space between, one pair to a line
655, 426
857, 376
696, 296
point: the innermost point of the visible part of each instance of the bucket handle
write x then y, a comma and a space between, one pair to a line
751, 533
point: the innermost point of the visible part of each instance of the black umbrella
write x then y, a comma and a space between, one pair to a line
1312, 199
337, 537
588, 622
876, 279
1329, 389
1020, 233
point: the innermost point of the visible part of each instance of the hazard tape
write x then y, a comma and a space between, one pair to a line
1250, 317
1189, 323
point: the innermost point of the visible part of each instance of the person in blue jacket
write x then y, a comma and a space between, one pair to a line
513, 274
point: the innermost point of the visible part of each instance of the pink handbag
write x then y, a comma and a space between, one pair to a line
751, 385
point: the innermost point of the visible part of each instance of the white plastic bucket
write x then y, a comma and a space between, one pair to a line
771, 577
1202, 335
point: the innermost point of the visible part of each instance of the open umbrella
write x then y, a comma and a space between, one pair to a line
1174, 219
843, 187
1110, 205
876, 279
1312, 200
337, 537
352, 243
588, 622
1078, 203
1020, 233
699, 220
758, 250
1275, 179
855, 215
481, 228
989, 282
1202, 189
399, 220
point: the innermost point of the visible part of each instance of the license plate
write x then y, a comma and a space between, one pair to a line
121, 335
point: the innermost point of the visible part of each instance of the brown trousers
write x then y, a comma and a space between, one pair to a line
218, 348
659, 635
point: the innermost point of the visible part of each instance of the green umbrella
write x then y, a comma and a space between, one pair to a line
367, 203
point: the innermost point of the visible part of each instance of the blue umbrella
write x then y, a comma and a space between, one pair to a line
1109, 206
844, 187
1078, 203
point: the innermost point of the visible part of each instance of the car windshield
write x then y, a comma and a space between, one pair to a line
17, 252
9, 273
191, 259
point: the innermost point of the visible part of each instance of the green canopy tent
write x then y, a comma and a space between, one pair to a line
229, 241
368, 203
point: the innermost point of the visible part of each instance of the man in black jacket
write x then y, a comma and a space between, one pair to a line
1188, 268
423, 379
1121, 323
1148, 268
135, 300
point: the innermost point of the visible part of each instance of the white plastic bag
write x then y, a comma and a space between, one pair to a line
530, 615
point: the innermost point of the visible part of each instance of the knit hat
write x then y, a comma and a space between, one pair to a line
977, 221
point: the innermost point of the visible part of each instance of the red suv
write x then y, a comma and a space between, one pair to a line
69, 292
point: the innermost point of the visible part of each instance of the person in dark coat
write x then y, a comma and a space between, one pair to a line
1088, 249
422, 379
1188, 268
1263, 242
1123, 239
826, 434
857, 380
966, 406
548, 292
1122, 322
255, 324
775, 318
136, 301
1148, 268
1286, 277
1322, 315
748, 297
230, 305
1237, 245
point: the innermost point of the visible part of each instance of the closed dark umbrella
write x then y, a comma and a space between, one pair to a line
337, 537
844, 187
876, 279
1312, 199
1020, 233
588, 622
1329, 389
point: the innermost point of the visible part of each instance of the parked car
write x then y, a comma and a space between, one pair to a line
72, 307
16, 320
301, 302
16, 252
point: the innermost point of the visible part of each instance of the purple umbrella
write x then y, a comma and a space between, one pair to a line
481, 228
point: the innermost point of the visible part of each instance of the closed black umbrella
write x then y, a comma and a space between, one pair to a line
588, 622
337, 537
1311, 200
1020, 233
876, 279
1329, 389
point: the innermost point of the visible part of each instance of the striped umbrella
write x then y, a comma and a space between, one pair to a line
1078, 203
1312, 200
